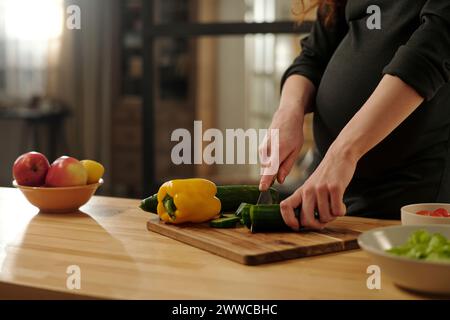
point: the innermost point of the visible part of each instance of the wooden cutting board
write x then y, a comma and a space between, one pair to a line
242, 246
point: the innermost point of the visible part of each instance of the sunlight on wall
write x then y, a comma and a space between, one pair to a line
33, 20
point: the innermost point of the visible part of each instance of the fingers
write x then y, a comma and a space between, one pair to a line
286, 166
323, 204
338, 208
287, 207
265, 182
264, 148
307, 218
264, 154
327, 200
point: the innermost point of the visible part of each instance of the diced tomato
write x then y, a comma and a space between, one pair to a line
441, 212
435, 214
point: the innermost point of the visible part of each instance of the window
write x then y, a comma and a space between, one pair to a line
26, 41
225, 57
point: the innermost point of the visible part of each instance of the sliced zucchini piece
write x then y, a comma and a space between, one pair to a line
226, 222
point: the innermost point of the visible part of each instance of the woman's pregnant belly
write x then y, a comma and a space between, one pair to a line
350, 78
348, 81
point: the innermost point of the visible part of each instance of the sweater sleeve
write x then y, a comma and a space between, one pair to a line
317, 48
424, 61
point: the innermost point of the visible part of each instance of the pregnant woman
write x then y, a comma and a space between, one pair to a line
381, 103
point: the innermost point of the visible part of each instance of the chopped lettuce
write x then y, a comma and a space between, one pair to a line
423, 245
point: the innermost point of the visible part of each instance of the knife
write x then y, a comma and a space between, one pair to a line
265, 197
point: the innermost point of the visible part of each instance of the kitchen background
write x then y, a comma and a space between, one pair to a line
115, 90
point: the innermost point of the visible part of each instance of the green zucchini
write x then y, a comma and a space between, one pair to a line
257, 218
225, 222
266, 218
230, 196
242, 207
226, 215
245, 218
150, 204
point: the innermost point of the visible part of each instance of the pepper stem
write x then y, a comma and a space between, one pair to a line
170, 207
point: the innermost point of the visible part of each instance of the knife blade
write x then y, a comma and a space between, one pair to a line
265, 197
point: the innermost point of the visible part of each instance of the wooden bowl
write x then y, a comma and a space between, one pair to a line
410, 216
59, 200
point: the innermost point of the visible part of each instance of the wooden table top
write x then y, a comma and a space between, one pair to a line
120, 259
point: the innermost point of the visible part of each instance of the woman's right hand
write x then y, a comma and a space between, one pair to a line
296, 98
289, 122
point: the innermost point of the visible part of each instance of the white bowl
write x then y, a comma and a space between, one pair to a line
410, 216
417, 275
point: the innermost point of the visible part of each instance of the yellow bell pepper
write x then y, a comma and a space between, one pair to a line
188, 200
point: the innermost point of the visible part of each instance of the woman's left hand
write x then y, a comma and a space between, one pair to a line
322, 192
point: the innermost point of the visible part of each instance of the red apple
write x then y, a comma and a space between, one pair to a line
30, 169
66, 172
